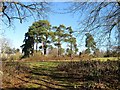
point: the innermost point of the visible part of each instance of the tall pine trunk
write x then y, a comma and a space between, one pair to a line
36, 46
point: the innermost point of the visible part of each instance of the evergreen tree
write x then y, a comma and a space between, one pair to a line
71, 41
59, 37
28, 46
42, 33
90, 43
38, 33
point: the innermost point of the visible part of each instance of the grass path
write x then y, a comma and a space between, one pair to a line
44, 75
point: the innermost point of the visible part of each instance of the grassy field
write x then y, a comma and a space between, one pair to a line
107, 58
61, 75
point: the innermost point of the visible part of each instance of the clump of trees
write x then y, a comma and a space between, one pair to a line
45, 38
94, 21
38, 33
42, 36
7, 51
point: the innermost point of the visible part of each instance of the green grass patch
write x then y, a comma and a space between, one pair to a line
106, 59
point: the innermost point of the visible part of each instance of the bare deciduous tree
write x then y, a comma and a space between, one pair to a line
99, 18
4, 44
22, 10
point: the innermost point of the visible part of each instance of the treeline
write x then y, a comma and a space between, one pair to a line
42, 36
44, 39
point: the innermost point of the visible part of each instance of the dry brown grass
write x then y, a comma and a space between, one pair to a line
39, 57
11, 72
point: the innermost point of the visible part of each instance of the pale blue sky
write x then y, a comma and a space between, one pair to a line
16, 35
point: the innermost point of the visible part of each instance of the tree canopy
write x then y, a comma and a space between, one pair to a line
59, 37
90, 43
37, 33
72, 45
41, 34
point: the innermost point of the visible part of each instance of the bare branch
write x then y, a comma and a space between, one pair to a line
22, 10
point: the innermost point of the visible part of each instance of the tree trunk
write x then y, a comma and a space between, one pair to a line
71, 50
45, 50
36, 46
36, 43
58, 51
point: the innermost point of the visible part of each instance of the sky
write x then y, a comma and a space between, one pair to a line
16, 34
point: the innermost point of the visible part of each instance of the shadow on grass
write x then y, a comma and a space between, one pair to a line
84, 75
93, 74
